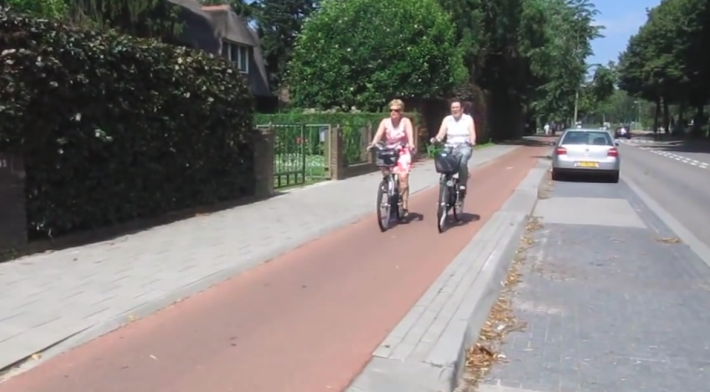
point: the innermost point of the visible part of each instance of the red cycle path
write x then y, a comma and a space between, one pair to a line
307, 321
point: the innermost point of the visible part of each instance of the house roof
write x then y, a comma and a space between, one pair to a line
208, 26
232, 27
225, 23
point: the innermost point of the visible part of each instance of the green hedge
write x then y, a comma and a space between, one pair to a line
114, 128
351, 124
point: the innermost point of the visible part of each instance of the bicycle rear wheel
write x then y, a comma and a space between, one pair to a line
384, 212
443, 208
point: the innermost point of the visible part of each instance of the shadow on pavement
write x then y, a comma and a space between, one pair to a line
588, 178
683, 145
531, 141
413, 216
110, 233
465, 219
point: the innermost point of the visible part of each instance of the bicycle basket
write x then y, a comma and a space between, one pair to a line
386, 157
446, 163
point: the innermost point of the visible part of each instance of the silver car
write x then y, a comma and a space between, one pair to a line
586, 151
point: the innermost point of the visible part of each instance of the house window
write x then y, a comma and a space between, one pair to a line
238, 54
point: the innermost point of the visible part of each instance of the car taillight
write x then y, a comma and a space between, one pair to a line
613, 152
561, 151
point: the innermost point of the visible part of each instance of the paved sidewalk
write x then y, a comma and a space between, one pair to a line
87, 291
612, 301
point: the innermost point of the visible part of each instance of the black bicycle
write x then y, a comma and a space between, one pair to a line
388, 195
451, 198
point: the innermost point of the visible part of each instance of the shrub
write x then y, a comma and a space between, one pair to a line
114, 128
363, 53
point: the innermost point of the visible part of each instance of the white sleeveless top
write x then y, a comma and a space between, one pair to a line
457, 131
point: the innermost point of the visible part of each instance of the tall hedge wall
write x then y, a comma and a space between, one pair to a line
114, 128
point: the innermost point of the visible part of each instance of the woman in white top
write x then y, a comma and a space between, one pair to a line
460, 131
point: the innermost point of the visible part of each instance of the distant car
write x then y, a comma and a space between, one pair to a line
589, 151
623, 132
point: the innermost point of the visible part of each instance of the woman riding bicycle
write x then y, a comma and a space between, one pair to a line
398, 130
460, 131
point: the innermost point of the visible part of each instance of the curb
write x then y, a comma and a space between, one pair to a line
90, 332
426, 351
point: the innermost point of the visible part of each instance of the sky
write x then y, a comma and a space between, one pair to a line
622, 19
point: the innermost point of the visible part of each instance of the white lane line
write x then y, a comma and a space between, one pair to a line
679, 158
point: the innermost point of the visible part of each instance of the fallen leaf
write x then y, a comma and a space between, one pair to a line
669, 240
501, 319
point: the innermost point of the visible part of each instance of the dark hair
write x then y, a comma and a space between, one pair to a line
455, 100
467, 107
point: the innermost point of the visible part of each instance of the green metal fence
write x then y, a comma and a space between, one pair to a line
299, 153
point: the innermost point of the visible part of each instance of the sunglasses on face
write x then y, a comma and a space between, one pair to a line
395, 110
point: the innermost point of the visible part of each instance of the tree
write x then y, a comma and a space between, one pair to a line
140, 18
528, 55
280, 22
665, 61
364, 52
50, 9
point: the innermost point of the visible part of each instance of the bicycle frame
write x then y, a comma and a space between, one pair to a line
450, 194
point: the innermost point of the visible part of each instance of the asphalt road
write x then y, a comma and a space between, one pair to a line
681, 187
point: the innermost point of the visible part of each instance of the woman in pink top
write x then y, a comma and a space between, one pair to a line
398, 129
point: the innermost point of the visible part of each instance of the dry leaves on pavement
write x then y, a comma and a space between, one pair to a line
669, 240
501, 320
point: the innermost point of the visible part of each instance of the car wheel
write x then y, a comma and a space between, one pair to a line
614, 177
556, 176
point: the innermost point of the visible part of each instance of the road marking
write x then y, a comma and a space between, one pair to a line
679, 158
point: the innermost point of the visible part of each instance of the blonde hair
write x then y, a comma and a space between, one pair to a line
397, 102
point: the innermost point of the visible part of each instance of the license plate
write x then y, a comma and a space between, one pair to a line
587, 164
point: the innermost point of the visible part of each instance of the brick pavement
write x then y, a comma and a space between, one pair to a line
609, 305
80, 293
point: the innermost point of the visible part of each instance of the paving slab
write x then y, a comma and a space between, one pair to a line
615, 307
75, 295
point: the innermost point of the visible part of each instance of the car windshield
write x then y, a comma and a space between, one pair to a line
588, 138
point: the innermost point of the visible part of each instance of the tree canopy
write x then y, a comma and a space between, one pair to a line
525, 58
362, 53
667, 62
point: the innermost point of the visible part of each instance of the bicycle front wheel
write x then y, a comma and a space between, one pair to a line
457, 200
442, 210
384, 212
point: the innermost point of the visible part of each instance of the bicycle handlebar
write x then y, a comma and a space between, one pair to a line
466, 143
382, 146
